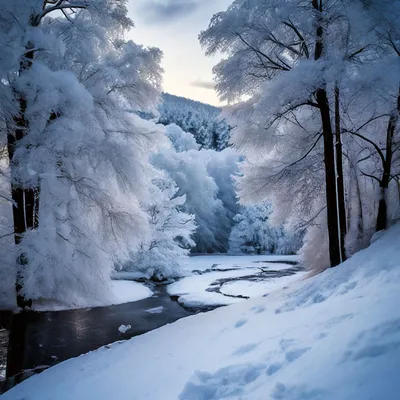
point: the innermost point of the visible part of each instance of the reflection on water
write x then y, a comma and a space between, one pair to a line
57, 336
3, 352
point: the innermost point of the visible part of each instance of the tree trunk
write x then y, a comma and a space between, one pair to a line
339, 177
330, 179
329, 154
25, 216
24, 202
355, 218
381, 221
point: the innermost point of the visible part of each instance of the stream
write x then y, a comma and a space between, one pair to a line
55, 336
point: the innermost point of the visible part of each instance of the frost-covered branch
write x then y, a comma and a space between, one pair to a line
60, 5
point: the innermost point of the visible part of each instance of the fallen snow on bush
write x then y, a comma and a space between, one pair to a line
333, 336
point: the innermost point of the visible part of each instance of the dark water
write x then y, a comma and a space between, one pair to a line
3, 352
56, 336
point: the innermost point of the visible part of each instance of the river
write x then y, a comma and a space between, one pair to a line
55, 336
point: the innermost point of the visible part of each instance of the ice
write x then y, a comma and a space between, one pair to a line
124, 328
155, 310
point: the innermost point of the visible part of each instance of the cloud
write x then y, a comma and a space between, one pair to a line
154, 11
203, 84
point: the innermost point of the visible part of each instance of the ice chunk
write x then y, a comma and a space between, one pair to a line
124, 328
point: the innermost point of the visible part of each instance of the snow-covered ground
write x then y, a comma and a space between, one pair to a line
227, 261
223, 279
199, 272
121, 292
332, 336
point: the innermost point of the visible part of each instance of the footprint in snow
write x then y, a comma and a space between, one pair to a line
282, 391
245, 349
273, 368
240, 323
337, 320
322, 335
289, 357
286, 343
375, 342
258, 309
296, 354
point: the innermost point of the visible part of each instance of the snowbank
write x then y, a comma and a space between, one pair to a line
228, 261
224, 279
259, 288
121, 292
333, 336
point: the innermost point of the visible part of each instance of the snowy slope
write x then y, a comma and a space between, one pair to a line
335, 336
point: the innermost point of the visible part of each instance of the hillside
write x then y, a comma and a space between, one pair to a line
200, 119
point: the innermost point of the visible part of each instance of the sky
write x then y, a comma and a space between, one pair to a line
173, 26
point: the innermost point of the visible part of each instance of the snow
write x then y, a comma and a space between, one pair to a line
124, 328
127, 291
259, 288
224, 261
121, 292
204, 290
129, 276
155, 310
333, 336
205, 300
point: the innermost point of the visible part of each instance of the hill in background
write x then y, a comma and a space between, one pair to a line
201, 120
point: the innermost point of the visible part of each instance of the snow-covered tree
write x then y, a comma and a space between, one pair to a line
171, 230
255, 233
181, 141
205, 177
298, 70
77, 161
203, 121
223, 167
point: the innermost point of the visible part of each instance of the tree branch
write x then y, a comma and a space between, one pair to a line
281, 67
60, 5
371, 176
7, 235
376, 147
300, 36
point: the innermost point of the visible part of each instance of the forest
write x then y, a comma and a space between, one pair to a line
270, 213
